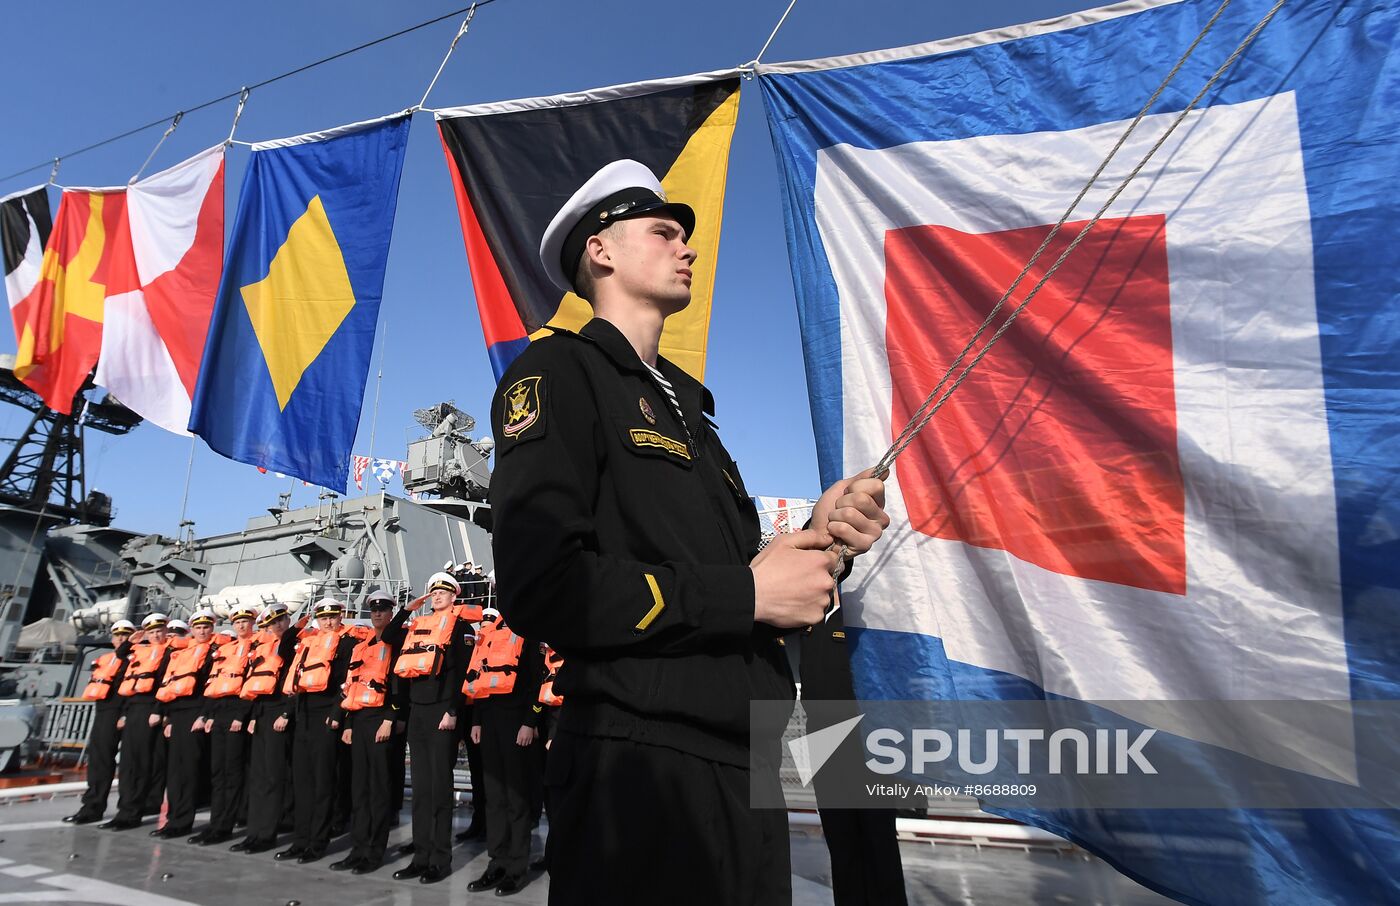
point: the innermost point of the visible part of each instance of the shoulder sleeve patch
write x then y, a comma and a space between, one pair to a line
522, 409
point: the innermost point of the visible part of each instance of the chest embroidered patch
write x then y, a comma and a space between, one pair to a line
644, 438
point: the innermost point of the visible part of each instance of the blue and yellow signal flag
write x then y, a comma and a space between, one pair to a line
283, 377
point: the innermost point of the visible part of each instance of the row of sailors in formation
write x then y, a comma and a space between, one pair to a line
337, 703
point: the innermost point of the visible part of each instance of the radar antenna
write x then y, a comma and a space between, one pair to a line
448, 462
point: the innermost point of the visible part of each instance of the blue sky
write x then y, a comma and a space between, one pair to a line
84, 71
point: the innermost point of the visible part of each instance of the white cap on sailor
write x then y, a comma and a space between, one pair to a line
379, 599
443, 581
271, 613
154, 621
203, 617
178, 625
123, 626
622, 189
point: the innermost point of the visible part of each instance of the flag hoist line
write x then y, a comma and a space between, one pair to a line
268, 81
938, 396
384, 332
174, 124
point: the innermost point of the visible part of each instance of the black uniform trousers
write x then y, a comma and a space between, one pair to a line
397, 770
228, 769
865, 861
101, 759
186, 757
616, 802
267, 777
433, 754
313, 774
512, 779
371, 784
478, 775
140, 745
866, 869
344, 806
548, 724
155, 793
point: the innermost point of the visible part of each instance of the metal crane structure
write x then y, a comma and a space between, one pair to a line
43, 472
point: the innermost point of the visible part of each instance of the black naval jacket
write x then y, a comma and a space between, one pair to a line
622, 537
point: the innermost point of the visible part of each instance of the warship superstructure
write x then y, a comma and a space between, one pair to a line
66, 573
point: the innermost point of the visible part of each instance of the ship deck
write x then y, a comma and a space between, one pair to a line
43, 860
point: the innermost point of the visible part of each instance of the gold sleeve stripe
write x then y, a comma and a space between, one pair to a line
656, 608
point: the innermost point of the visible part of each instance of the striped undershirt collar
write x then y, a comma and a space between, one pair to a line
670, 392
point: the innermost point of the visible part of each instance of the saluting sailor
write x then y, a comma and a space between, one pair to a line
108, 670
624, 538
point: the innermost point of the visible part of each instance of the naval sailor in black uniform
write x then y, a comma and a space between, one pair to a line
314, 681
624, 538
372, 704
108, 671
142, 767
433, 662
269, 726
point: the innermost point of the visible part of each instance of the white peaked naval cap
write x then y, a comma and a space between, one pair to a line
622, 189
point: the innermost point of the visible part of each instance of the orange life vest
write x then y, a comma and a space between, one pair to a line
220, 639
552, 662
143, 669
311, 667
494, 660
184, 667
428, 637
104, 671
367, 683
230, 666
263, 666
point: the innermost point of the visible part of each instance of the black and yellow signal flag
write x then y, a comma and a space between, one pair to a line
514, 163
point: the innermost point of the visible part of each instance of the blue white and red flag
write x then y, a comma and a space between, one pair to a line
1177, 477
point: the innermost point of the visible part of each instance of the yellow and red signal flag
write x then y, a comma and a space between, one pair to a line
58, 326
514, 163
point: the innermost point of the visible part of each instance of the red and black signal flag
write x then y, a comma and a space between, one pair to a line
514, 163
